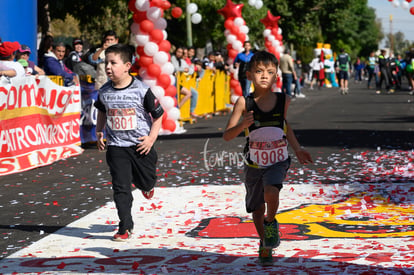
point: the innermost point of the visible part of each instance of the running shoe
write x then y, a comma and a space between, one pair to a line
265, 255
148, 194
118, 237
271, 234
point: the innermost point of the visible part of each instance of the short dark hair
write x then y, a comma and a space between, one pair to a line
109, 33
124, 51
262, 57
58, 44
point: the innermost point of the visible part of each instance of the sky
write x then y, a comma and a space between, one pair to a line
402, 19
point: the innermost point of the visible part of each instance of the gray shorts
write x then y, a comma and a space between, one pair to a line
256, 179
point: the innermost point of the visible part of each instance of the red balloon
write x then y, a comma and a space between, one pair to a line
228, 24
232, 53
409, 1
140, 50
241, 36
176, 12
164, 116
231, 10
171, 91
145, 61
139, 16
268, 44
412, 10
235, 30
164, 46
156, 36
146, 26
164, 81
165, 5
156, 3
270, 21
131, 6
154, 70
169, 125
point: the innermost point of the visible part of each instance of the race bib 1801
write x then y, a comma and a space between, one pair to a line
122, 119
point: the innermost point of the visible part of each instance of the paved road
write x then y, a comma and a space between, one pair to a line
356, 139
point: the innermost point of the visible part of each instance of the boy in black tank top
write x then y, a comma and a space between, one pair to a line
263, 118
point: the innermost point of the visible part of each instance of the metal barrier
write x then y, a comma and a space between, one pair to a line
213, 93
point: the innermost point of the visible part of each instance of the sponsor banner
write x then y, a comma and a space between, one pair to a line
346, 229
39, 123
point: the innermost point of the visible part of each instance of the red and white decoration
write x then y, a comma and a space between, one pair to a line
154, 59
405, 4
236, 34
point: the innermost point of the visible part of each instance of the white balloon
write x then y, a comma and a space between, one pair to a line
167, 68
239, 21
164, 32
192, 8
275, 43
279, 31
160, 58
142, 5
142, 39
151, 48
174, 113
396, 3
244, 29
237, 45
153, 13
152, 82
405, 5
172, 80
167, 103
271, 38
259, 4
247, 38
252, 2
231, 38
196, 18
267, 32
226, 32
160, 24
158, 91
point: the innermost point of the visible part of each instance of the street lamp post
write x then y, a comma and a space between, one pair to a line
188, 23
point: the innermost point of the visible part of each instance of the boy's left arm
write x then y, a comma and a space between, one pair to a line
303, 156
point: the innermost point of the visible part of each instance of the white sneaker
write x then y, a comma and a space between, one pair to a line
301, 96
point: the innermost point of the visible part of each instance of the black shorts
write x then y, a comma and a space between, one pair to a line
343, 75
129, 166
257, 178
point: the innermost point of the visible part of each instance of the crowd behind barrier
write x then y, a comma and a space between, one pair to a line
213, 93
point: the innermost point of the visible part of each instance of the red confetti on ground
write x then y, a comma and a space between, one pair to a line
61, 265
135, 265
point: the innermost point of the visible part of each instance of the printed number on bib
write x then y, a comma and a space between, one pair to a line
122, 119
268, 153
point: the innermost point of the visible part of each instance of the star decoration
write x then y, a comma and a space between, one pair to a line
270, 21
231, 10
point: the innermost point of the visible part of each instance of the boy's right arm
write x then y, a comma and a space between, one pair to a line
100, 124
234, 127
